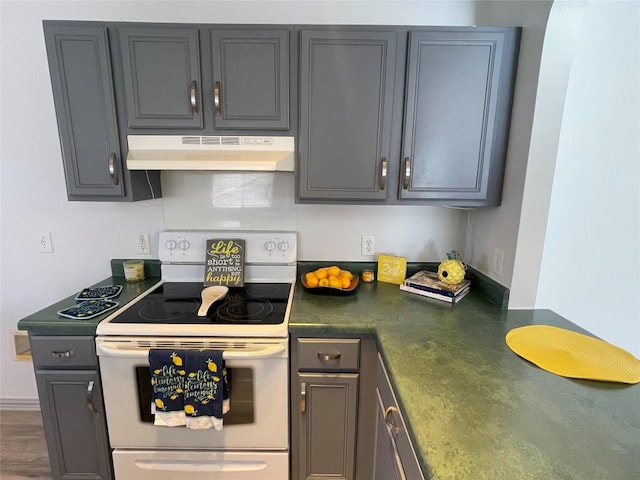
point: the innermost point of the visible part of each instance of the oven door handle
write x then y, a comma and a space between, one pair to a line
119, 350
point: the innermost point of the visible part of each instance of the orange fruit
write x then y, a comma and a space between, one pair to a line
322, 273
312, 280
333, 270
323, 282
346, 274
335, 282
346, 282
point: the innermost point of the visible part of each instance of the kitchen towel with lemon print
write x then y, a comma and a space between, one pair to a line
190, 387
167, 383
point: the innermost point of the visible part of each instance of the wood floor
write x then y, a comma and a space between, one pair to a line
23, 450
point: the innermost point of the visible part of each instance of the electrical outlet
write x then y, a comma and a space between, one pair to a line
498, 261
144, 245
367, 245
45, 243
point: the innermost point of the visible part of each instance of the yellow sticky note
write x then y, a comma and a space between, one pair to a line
392, 269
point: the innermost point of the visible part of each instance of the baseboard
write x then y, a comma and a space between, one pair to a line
25, 404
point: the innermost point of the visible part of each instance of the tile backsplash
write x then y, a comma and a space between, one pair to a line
266, 201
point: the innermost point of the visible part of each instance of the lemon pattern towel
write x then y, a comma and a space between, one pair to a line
204, 392
167, 382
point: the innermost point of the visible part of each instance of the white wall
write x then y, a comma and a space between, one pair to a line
590, 264
86, 235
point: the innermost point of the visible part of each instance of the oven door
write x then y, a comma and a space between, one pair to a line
258, 416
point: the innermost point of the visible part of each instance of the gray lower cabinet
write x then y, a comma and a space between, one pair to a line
395, 457
79, 56
405, 114
72, 408
161, 67
332, 421
251, 77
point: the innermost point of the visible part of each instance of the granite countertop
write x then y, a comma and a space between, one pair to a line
48, 322
475, 409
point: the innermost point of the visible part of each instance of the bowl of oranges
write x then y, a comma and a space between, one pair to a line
330, 281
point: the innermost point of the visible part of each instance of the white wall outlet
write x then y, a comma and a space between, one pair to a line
45, 243
144, 245
368, 245
498, 261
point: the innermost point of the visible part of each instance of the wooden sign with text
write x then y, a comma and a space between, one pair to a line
391, 269
224, 262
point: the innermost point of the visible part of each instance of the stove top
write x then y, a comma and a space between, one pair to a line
258, 309
178, 303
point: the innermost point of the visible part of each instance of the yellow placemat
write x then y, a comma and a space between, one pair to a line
574, 355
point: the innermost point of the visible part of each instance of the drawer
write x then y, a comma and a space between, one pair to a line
328, 354
63, 352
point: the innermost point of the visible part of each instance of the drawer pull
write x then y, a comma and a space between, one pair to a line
303, 397
66, 354
329, 357
388, 418
90, 404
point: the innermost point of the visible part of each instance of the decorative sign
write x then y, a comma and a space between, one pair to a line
391, 269
224, 263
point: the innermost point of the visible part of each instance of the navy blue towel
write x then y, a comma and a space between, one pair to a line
204, 389
168, 382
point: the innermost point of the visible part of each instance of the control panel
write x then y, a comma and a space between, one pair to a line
260, 247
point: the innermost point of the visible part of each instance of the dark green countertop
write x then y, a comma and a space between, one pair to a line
475, 409
48, 322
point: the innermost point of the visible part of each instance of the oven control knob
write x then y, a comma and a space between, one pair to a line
270, 245
283, 246
170, 244
184, 245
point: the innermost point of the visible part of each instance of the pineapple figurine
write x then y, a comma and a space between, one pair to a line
451, 271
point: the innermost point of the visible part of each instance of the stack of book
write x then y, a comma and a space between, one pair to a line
429, 285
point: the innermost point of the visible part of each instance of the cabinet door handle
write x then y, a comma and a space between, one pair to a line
90, 404
303, 397
112, 169
383, 173
193, 93
388, 418
216, 98
407, 172
65, 354
329, 357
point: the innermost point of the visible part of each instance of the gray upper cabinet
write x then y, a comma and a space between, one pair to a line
250, 78
405, 114
162, 82
81, 79
346, 94
457, 110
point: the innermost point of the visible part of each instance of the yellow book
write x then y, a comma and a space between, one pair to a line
391, 269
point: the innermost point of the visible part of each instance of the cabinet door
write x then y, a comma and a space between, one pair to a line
74, 424
161, 68
346, 89
388, 465
82, 84
251, 78
457, 110
328, 411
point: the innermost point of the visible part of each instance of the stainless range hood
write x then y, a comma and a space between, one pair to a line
193, 152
